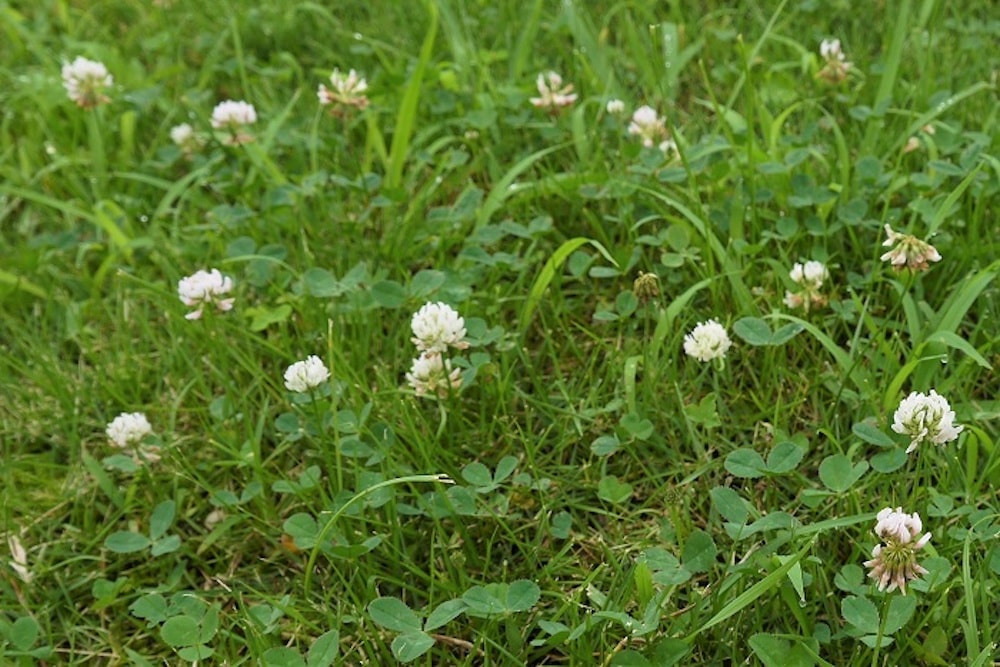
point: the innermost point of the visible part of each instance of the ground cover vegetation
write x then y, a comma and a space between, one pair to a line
499, 333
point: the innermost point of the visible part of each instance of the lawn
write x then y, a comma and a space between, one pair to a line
455, 332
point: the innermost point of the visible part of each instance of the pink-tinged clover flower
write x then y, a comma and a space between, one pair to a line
233, 117
908, 251
894, 562
347, 90
553, 95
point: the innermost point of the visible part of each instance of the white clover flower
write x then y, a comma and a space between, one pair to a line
306, 375
615, 107
908, 251
707, 341
433, 374
925, 417
810, 274
85, 82
181, 134
553, 95
836, 67
651, 129
233, 116
186, 138
894, 563
205, 288
810, 277
348, 90
436, 326
128, 428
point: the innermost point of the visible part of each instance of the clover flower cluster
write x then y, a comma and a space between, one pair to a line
306, 375
894, 561
436, 327
129, 431
907, 251
651, 129
809, 277
707, 342
835, 65
85, 82
205, 288
233, 117
552, 94
186, 138
925, 417
346, 91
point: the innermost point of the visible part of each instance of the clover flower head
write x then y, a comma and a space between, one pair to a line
651, 129
85, 82
925, 417
233, 116
553, 95
707, 341
205, 288
908, 251
895, 562
836, 66
436, 326
809, 277
304, 376
128, 429
186, 138
433, 374
348, 90
615, 107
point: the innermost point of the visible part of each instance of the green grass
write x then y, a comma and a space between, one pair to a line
590, 495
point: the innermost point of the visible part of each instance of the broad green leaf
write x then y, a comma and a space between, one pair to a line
168, 544
699, 552
444, 613
637, 427
163, 516
23, 633
630, 658
605, 445
774, 651
786, 333
477, 475
393, 614
613, 491
753, 330
901, 608
872, 435
745, 462
562, 523
522, 595
729, 504
282, 656
126, 542
411, 645
388, 294
181, 631
860, 612
324, 649
151, 607
838, 474
784, 457
889, 461
321, 283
